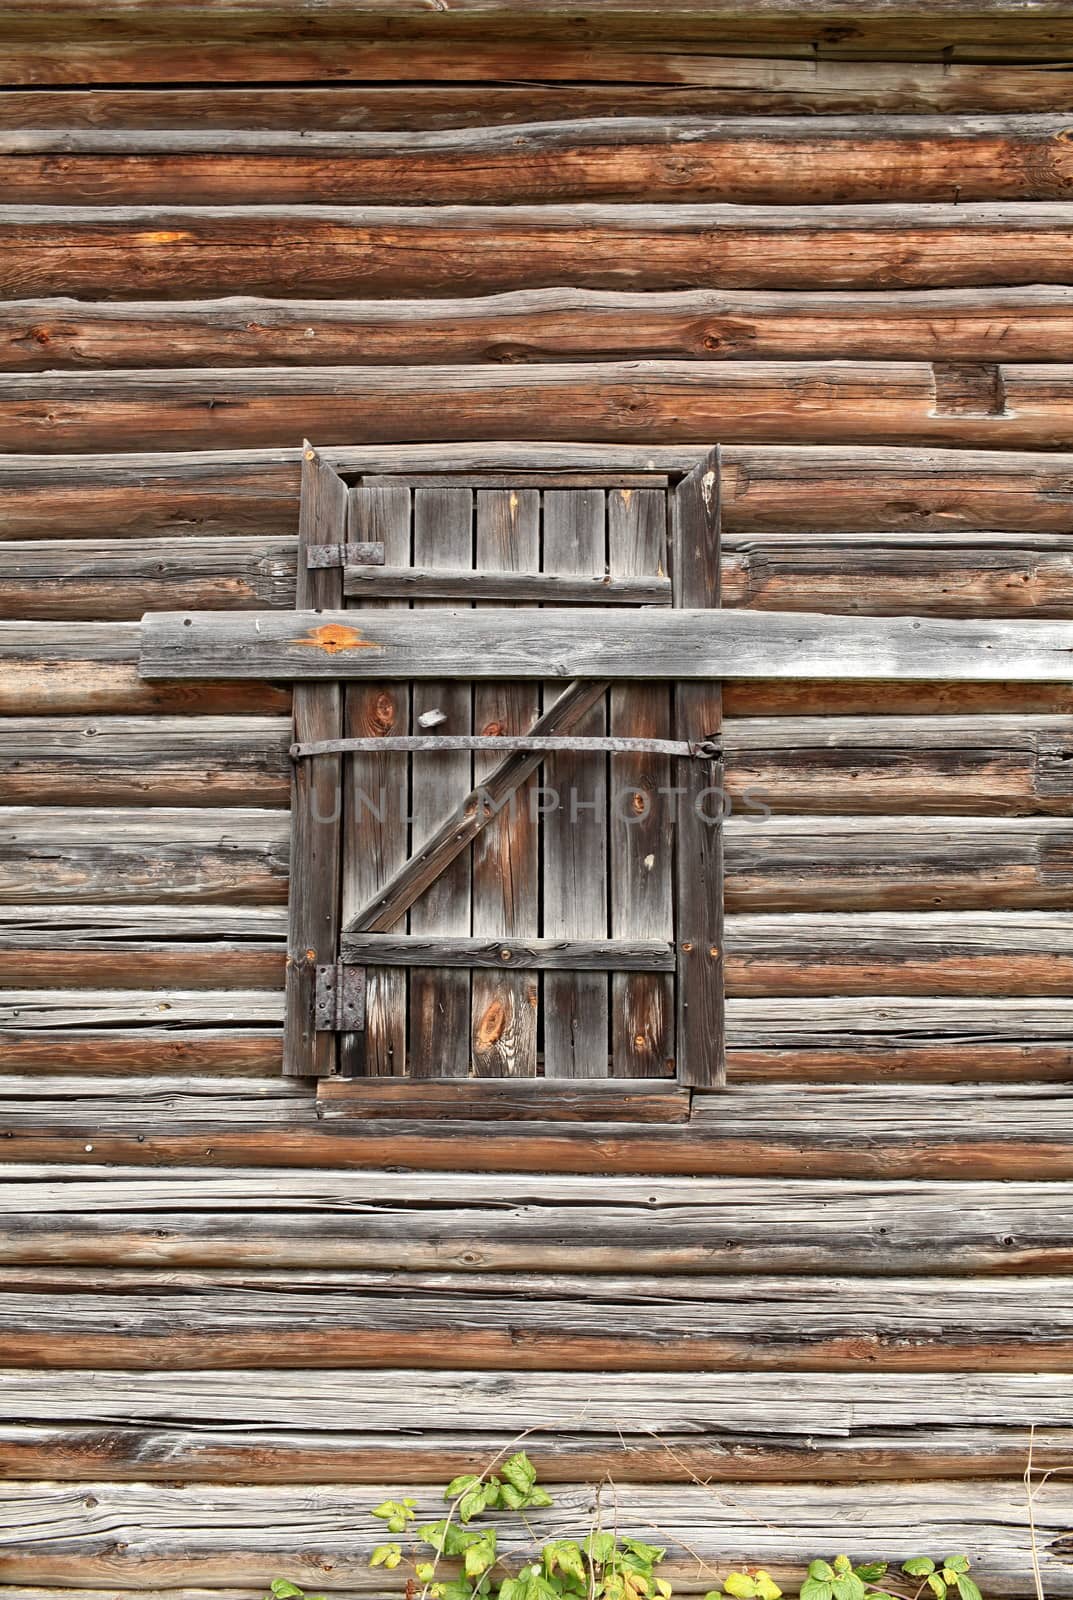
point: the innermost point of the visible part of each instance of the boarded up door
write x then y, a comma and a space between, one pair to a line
469, 899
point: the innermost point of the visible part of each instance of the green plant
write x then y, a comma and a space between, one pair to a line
598, 1565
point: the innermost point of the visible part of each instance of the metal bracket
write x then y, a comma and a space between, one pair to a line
339, 999
579, 744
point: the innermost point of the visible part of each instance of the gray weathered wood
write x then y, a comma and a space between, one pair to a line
439, 1028
574, 832
549, 955
601, 644
313, 915
641, 834
551, 588
505, 1010
698, 863
375, 828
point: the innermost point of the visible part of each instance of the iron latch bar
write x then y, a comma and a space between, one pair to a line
339, 999
709, 749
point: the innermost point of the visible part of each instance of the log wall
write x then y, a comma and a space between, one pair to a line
829, 1306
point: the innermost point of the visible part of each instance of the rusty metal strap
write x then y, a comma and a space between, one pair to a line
704, 749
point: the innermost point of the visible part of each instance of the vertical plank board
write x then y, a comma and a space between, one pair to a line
316, 794
699, 1023
440, 999
575, 1008
641, 834
505, 864
376, 799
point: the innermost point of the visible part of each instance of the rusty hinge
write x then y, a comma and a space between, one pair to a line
339, 999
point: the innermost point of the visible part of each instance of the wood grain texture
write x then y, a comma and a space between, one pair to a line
641, 1427
193, 251
1029, 324
799, 402
592, 644
679, 159
222, 1535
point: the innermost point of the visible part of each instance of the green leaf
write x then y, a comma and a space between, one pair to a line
766, 1587
471, 1505
820, 1570
816, 1589
740, 1585
919, 1567
538, 1497
459, 1485
520, 1472
849, 1587
426, 1571
714, 1594
957, 1563
565, 1555
647, 1552
967, 1589
937, 1586
663, 1589
481, 1554
599, 1547
285, 1590
843, 1566
393, 1510
386, 1555
871, 1570
511, 1497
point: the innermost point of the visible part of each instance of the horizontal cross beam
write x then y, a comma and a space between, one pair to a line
547, 955
578, 744
596, 643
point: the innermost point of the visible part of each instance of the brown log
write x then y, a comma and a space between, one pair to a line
744, 162
387, 251
542, 325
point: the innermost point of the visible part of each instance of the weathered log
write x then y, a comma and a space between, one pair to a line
1029, 324
715, 159
221, 1535
1024, 407
390, 250
497, 642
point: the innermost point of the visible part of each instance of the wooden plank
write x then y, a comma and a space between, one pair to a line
705, 84
640, 818
388, 250
505, 857
924, 1130
508, 951
1030, 323
573, 804
473, 1223
697, 715
641, 1428
170, 1319
799, 402
316, 796
688, 644
681, 159
501, 1098
375, 820
217, 1535
439, 1026
849, 489
538, 587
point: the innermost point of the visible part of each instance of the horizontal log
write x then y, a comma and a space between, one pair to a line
220, 1535
681, 159
705, 85
825, 488
386, 251
239, 855
985, 766
593, 644
330, 1318
784, 1130
1020, 407
1033, 323
640, 1427
953, 574
477, 1224
546, 955
550, 588
51, 856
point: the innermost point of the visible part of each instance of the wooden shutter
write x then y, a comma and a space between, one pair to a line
461, 910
